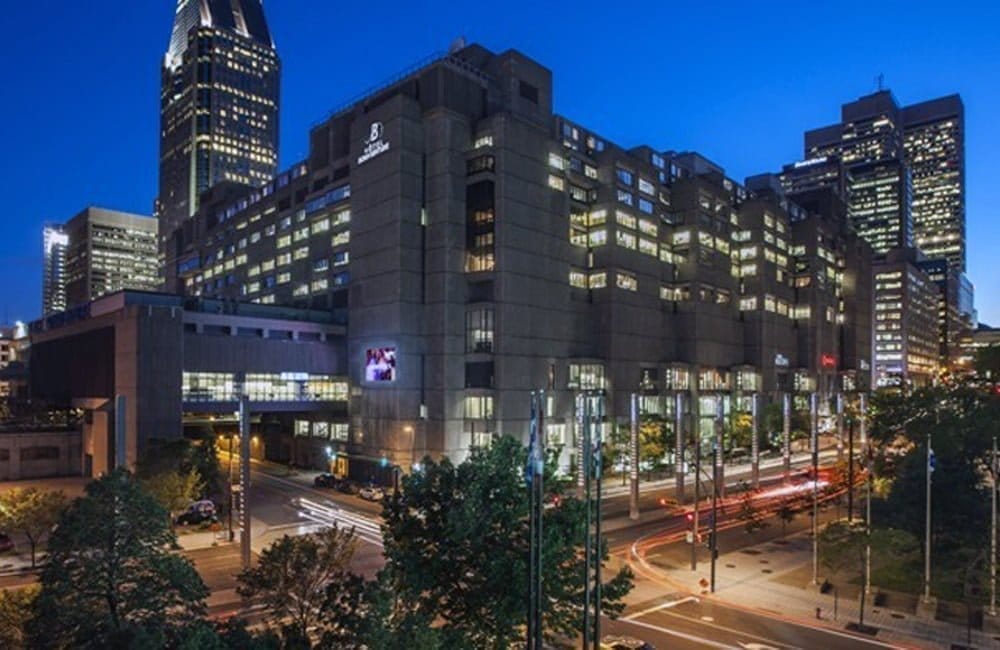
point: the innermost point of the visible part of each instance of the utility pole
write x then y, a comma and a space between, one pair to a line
840, 427
720, 415
927, 524
713, 545
866, 449
697, 498
755, 443
584, 410
245, 476
229, 489
679, 452
534, 475
850, 471
814, 427
598, 470
633, 501
786, 433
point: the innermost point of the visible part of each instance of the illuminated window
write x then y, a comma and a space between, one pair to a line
626, 281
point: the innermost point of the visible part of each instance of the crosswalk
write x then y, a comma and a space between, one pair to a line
326, 514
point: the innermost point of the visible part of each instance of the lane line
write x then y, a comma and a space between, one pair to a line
687, 637
666, 605
733, 631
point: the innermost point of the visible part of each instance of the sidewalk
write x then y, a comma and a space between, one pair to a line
775, 578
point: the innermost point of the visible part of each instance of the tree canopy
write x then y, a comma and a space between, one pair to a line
293, 578
109, 579
456, 544
32, 512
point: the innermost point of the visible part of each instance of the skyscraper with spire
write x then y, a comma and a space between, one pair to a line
218, 104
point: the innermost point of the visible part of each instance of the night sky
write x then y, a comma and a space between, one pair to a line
738, 82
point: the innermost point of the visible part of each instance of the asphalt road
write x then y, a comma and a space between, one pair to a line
685, 623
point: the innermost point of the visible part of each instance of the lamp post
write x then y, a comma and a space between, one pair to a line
814, 426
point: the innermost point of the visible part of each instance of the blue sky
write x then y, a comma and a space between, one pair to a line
736, 81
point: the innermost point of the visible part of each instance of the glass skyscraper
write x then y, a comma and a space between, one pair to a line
218, 104
54, 243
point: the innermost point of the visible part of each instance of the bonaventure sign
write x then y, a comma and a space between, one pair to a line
375, 144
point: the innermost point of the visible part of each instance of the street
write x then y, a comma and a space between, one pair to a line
687, 622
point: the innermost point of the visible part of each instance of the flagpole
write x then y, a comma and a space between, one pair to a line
927, 524
993, 534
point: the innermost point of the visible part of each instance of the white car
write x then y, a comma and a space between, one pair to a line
372, 493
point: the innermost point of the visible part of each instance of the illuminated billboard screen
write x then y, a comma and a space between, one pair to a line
380, 364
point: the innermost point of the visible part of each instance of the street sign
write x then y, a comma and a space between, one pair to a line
689, 536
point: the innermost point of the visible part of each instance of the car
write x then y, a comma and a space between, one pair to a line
624, 643
371, 493
197, 513
326, 480
6, 543
348, 486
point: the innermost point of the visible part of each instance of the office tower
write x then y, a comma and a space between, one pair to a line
907, 346
934, 145
109, 251
54, 243
218, 104
869, 142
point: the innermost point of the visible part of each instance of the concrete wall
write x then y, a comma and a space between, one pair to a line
39, 455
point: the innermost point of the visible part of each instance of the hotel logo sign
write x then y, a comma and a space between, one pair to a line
375, 143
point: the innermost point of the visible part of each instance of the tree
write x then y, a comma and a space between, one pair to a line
962, 420
751, 516
652, 441
292, 579
109, 579
372, 615
15, 609
32, 512
174, 491
843, 546
456, 546
988, 362
615, 449
786, 513
741, 430
183, 456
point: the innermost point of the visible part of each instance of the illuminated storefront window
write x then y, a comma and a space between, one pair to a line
283, 387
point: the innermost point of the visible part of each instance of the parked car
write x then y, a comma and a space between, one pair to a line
372, 493
624, 643
348, 486
6, 543
197, 513
326, 480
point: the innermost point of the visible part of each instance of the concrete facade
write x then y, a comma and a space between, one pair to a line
491, 247
175, 361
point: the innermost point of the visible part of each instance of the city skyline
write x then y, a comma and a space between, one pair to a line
749, 128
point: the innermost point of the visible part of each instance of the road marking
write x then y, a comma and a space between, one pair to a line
687, 637
739, 633
666, 605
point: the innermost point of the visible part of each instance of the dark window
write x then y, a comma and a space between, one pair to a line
40, 453
480, 164
529, 92
479, 374
250, 332
481, 291
4, 454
